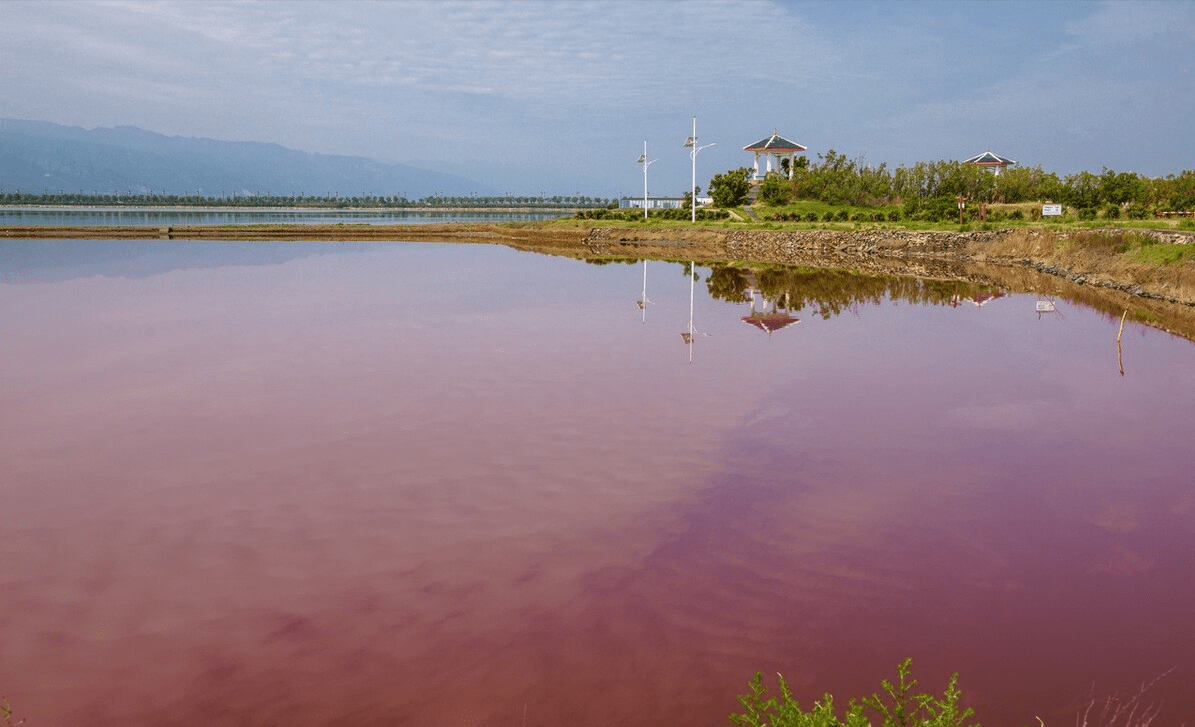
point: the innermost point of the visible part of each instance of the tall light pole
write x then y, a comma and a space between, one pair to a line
691, 142
646, 164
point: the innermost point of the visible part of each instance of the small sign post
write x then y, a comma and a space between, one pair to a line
1051, 210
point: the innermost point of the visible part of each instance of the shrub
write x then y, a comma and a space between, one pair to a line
1016, 215
731, 188
896, 705
1087, 213
773, 191
1112, 211
842, 216
1137, 211
811, 217
894, 216
828, 217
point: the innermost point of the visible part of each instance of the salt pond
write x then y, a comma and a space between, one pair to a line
257, 483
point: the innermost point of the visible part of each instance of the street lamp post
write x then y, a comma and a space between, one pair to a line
646, 164
691, 142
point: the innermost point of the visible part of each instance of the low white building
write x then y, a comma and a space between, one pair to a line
662, 203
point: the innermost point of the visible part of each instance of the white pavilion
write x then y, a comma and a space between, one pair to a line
990, 161
775, 148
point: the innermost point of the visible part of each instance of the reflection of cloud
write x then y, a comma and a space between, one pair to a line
1124, 562
1117, 517
1007, 416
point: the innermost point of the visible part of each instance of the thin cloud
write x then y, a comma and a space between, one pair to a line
535, 95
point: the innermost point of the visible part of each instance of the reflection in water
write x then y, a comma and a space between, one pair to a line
772, 315
1046, 304
830, 292
690, 334
388, 485
643, 301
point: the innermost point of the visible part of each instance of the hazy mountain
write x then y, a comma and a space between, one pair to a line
37, 155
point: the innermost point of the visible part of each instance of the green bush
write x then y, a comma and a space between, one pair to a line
1112, 211
894, 216
1137, 211
896, 705
1016, 215
1087, 213
731, 188
774, 191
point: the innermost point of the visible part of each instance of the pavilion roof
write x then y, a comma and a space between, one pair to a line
988, 159
775, 142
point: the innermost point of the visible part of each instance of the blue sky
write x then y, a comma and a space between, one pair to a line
531, 97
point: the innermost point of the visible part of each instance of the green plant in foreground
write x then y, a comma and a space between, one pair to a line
6, 714
897, 705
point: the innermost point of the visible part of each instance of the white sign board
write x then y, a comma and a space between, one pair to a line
1051, 210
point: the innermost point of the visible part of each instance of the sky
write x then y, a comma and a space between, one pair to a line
558, 97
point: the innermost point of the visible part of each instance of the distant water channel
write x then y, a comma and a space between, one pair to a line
419, 484
118, 216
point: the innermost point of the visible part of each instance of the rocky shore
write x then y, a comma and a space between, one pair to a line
917, 252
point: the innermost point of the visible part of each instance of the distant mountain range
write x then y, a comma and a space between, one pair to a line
37, 156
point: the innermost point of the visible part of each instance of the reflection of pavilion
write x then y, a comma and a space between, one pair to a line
767, 318
982, 299
979, 299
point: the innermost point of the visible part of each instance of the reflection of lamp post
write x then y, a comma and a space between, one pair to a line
643, 303
687, 336
646, 164
691, 142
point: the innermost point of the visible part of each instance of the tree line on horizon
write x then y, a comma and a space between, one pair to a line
835, 179
163, 199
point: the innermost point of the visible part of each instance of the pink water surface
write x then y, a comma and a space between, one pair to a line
437, 485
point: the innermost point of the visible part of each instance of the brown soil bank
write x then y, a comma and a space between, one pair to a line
1086, 266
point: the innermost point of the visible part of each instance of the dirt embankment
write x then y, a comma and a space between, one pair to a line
1035, 261
928, 253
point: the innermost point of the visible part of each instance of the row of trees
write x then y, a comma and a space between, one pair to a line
838, 180
161, 199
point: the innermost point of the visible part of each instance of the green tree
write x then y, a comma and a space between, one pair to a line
731, 188
774, 190
1081, 190
1120, 188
